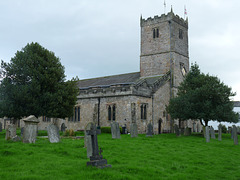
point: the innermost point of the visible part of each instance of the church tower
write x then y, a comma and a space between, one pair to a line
164, 47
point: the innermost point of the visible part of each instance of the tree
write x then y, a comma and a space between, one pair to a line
34, 84
204, 97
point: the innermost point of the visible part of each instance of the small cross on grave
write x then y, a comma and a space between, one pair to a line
96, 159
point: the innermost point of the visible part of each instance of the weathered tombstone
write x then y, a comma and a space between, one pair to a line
207, 134
22, 130
177, 130
53, 133
182, 131
0, 127
115, 130
10, 132
88, 140
149, 130
219, 132
134, 130
212, 133
63, 127
187, 131
30, 129
235, 136
96, 159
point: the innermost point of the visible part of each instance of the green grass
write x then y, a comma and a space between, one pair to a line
159, 157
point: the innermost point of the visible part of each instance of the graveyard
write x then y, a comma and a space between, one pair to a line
164, 156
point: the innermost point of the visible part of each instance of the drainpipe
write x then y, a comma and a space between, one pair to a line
153, 112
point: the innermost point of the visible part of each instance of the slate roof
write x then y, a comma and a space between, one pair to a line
121, 79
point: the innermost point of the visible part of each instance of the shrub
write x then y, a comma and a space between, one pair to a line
224, 129
69, 132
108, 129
105, 129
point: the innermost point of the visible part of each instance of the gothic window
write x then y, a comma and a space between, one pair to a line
157, 33
143, 111
180, 34
183, 70
114, 113
109, 113
78, 113
153, 33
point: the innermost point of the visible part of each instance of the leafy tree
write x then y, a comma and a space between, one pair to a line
204, 97
34, 84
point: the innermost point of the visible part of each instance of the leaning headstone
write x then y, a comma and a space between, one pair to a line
149, 130
207, 134
219, 132
63, 127
187, 131
53, 133
10, 131
96, 159
0, 127
16, 138
115, 130
88, 140
176, 130
235, 136
30, 129
212, 133
134, 130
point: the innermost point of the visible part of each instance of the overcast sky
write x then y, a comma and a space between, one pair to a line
102, 37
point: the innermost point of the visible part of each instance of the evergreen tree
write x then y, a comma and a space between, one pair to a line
34, 84
204, 97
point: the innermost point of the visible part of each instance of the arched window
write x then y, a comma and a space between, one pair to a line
153, 33
109, 113
78, 113
141, 111
145, 111
114, 113
75, 114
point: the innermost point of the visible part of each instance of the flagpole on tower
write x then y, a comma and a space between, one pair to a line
185, 12
164, 7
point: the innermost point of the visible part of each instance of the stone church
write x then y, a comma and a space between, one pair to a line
139, 97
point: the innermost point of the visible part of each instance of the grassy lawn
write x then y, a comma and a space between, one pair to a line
159, 157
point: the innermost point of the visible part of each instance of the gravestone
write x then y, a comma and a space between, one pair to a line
207, 134
16, 138
22, 130
10, 131
0, 127
176, 130
115, 130
187, 131
235, 136
134, 130
53, 133
219, 132
212, 133
63, 127
88, 140
149, 130
30, 129
96, 159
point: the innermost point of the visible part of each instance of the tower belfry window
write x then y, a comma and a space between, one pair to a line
180, 34
155, 33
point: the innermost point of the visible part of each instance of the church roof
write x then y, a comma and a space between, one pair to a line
121, 79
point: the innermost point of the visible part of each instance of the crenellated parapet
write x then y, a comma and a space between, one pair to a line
163, 18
